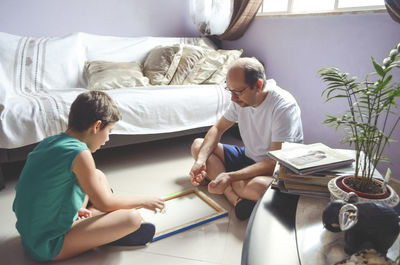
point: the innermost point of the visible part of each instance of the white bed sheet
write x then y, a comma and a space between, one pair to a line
28, 118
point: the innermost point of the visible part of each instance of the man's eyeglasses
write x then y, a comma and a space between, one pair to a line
236, 92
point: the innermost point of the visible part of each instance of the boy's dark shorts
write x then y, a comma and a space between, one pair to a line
235, 158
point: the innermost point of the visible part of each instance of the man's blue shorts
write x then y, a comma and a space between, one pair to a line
235, 158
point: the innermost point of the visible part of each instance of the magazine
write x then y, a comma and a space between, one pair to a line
311, 158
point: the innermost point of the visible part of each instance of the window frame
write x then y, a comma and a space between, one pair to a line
335, 11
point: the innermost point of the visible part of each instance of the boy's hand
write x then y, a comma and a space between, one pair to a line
84, 213
153, 203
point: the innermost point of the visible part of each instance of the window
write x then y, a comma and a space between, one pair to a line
318, 6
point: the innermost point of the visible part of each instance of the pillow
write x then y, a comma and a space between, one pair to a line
161, 63
213, 62
192, 57
102, 75
228, 57
31, 64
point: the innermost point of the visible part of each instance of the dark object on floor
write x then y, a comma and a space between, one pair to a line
366, 225
244, 208
143, 235
366, 256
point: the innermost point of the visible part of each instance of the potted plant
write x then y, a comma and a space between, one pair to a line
369, 122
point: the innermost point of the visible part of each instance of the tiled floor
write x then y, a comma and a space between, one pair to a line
157, 168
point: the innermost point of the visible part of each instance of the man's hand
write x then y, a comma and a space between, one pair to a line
220, 183
153, 203
198, 173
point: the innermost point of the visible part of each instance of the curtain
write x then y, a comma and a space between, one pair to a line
393, 8
243, 14
223, 19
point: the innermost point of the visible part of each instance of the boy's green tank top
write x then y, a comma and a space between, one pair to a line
48, 195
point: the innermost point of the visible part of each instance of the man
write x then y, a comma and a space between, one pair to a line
267, 116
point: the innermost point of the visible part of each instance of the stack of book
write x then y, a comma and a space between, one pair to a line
307, 169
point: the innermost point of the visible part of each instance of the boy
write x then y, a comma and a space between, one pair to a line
57, 181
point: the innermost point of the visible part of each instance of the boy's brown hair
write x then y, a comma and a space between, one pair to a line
90, 107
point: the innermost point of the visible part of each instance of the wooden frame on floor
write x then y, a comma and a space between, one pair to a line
183, 210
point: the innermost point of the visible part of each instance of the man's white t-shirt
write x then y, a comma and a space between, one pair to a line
276, 119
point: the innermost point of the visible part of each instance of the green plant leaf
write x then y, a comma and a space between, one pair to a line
367, 123
377, 67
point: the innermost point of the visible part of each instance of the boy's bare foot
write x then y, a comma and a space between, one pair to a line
95, 212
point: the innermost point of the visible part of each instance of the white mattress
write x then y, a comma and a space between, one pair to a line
27, 119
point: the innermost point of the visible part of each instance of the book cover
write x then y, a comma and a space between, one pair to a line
306, 159
321, 181
303, 190
315, 179
306, 187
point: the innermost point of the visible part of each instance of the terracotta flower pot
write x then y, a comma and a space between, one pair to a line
339, 192
341, 182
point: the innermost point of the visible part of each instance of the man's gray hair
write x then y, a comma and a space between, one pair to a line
253, 70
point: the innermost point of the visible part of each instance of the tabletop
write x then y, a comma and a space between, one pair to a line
288, 229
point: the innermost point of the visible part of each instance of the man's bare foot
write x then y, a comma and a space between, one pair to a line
237, 201
232, 197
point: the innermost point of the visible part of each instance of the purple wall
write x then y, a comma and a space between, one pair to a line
294, 48
107, 17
